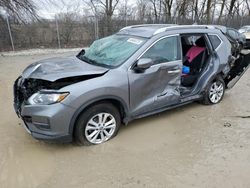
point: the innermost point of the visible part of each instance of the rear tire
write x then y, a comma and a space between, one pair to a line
98, 124
214, 91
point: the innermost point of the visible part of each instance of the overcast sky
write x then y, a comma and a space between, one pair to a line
48, 8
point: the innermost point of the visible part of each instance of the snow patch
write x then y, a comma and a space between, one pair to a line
39, 51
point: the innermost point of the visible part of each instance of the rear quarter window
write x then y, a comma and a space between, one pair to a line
215, 41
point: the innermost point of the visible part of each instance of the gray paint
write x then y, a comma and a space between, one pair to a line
140, 94
56, 68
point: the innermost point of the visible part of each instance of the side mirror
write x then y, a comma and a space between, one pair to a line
143, 64
82, 52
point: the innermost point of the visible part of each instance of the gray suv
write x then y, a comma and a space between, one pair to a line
139, 71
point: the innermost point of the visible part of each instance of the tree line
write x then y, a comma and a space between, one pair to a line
99, 18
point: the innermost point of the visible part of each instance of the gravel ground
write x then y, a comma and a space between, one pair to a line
192, 146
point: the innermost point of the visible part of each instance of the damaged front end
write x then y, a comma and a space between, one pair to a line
24, 88
51, 75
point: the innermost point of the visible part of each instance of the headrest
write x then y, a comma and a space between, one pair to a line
200, 42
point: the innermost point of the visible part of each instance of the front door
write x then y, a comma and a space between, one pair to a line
157, 86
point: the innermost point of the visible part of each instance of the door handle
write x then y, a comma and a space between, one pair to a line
174, 71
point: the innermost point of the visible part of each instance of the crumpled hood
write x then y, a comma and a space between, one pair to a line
56, 68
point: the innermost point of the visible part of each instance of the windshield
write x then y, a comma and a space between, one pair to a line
112, 51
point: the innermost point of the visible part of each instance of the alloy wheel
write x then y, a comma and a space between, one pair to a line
216, 92
100, 128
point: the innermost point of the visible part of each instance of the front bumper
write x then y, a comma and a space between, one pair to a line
48, 122
44, 122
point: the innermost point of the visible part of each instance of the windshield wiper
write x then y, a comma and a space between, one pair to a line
91, 61
88, 60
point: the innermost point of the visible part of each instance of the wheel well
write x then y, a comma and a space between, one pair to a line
115, 102
221, 74
118, 104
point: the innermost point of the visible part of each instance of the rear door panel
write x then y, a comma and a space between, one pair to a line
238, 69
170, 83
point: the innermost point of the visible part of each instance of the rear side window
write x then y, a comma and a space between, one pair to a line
214, 39
165, 50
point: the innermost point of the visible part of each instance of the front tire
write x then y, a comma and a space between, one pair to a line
98, 124
214, 92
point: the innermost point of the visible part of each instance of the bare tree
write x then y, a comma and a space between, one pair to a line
248, 6
141, 6
232, 3
22, 10
126, 13
155, 10
208, 11
78, 23
230, 11
108, 6
168, 4
223, 2
196, 14
214, 10
182, 10
66, 22
202, 8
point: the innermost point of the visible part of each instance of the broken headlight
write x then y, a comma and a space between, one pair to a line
47, 98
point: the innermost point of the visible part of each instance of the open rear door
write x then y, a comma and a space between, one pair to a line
238, 69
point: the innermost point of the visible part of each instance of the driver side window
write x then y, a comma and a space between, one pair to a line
165, 50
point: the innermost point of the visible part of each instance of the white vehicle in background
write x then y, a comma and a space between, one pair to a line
246, 31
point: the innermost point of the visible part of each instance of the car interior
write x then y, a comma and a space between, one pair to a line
195, 55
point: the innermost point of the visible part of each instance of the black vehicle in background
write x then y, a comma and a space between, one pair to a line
237, 40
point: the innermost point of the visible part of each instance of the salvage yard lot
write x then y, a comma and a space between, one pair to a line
191, 146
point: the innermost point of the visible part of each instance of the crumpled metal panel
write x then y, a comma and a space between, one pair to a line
57, 68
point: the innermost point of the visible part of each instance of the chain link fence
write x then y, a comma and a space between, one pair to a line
67, 32
45, 34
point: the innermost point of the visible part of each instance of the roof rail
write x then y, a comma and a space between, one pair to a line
192, 26
145, 25
165, 27
160, 30
173, 27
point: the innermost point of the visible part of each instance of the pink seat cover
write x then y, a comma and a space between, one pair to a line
193, 52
